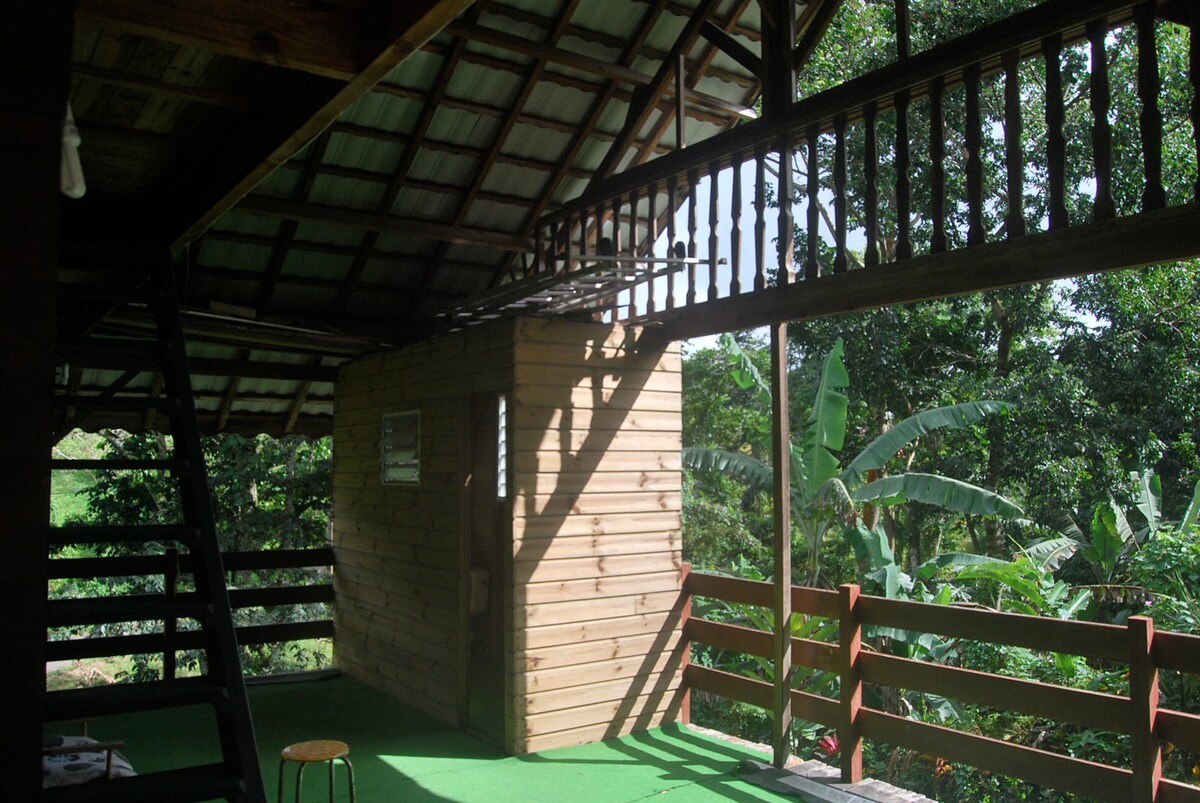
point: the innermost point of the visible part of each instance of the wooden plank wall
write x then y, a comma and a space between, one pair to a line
596, 438
401, 561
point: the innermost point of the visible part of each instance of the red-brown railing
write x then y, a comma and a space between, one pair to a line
170, 640
1137, 715
649, 223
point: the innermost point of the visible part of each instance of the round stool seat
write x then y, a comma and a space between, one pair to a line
316, 750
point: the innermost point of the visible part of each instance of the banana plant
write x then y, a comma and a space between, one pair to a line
824, 495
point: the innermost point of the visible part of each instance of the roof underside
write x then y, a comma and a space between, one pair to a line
362, 227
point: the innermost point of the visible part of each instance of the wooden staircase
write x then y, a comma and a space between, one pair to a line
237, 777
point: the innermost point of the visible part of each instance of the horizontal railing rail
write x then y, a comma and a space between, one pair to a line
170, 565
680, 216
1136, 714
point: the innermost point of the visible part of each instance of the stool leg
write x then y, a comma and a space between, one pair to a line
350, 775
280, 795
300, 779
331, 780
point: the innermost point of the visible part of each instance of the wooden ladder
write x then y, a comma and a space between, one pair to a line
238, 776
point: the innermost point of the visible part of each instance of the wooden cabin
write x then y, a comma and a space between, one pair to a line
464, 238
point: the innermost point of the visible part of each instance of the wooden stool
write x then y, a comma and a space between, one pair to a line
318, 750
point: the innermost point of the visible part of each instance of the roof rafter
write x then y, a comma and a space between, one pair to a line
340, 57
464, 207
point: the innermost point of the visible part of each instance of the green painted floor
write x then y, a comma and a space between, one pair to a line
402, 755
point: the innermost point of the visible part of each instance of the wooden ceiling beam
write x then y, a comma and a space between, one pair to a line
167, 89
604, 69
383, 223
297, 108
104, 360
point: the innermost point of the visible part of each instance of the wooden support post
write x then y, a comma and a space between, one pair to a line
779, 37
35, 44
849, 732
1143, 695
781, 725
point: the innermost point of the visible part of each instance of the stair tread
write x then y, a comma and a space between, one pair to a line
115, 464
202, 782
127, 697
124, 533
134, 608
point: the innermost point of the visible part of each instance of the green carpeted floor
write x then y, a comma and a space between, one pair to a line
402, 755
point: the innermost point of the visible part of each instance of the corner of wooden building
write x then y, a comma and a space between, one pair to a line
527, 584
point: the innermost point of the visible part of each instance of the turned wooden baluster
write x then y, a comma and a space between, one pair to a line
1103, 208
812, 265
651, 240
634, 244
760, 217
583, 235
974, 138
903, 182
871, 176
1056, 141
937, 164
616, 248
787, 223
1014, 155
1151, 121
714, 217
735, 228
693, 178
672, 198
840, 260
553, 248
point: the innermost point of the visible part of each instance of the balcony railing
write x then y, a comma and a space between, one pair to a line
672, 229
170, 639
1137, 646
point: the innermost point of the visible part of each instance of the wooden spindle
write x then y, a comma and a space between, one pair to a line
714, 217
1150, 121
1103, 208
903, 182
634, 247
871, 177
787, 221
616, 228
974, 139
812, 263
760, 217
840, 260
539, 250
693, 178
672, 205
1056, 141
1014, 154
735, 227
937, 164
566, 241
651, 241
553, 248
583, 235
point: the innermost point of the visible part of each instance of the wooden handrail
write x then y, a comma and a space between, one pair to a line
1136, 714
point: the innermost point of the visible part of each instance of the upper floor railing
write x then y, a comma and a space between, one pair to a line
1136, 714
1021, 127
